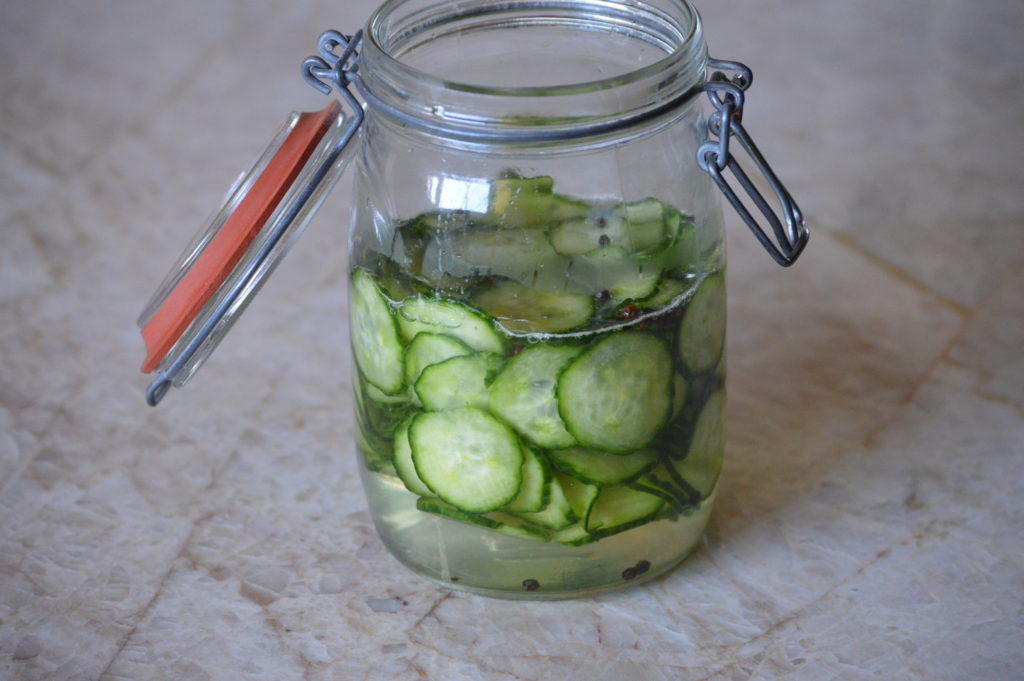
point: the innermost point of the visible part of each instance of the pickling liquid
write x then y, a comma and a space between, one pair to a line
630, 515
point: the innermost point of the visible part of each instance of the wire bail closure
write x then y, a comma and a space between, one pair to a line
727, 96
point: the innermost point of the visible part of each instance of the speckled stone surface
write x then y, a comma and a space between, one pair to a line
870, 522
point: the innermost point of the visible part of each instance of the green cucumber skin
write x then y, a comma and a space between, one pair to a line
604, 469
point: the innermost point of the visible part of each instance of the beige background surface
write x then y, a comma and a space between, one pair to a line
870, 523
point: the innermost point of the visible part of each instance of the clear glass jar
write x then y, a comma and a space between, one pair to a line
537, 297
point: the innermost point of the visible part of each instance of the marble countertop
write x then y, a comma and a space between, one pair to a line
870, 522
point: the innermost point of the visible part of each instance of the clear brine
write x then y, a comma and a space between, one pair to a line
540, 382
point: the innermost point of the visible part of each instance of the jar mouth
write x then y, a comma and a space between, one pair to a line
509, 64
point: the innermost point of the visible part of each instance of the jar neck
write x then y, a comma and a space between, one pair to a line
518, 71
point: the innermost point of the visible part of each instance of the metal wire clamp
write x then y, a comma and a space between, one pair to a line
727, 96
333, 71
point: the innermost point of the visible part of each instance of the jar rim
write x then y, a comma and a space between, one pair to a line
529, 112
378, 24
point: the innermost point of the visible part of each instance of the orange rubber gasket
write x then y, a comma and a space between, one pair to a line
230, 242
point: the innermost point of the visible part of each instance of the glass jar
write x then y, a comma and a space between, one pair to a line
537, 303
537, 289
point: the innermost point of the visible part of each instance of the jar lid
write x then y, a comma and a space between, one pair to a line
224, 266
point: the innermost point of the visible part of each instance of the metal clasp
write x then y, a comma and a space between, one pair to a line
335, 71
727, 96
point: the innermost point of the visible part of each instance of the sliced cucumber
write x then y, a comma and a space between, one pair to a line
557, 514
663, 482
580, 495
522, 309
509, 190
680, 250
497, 521
680, 389
703, 463
637, 227
523, 394
618, 393
432, 315
702, 329
375, 344
620, 508
460, 381
535, 491
467, 458
381, 415
643, 211
519, 201
380, 397
667, 290
613, 273
600, 468
428, 349
376, 453
573, 535
403, 461
490, 251
374, 448
638, 288
586, 234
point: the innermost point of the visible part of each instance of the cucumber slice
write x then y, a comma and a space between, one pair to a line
618, 393
506, 191
667, 291
523, 394
519, 201
375, 344
600, 468
573, 535
680, 250
585, 234
467, 458
664, 482
375, 450
428, 349
380, 397
460, 381
376, 453
490, 251
535, 491
647, 237
703, 463
580, 495
643, 211
638, 288
403, 461
702, 329
419, 314
637, 227
557, 514
497, 521
613, 273
521, 309
621, 508
382, 415
680, 389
